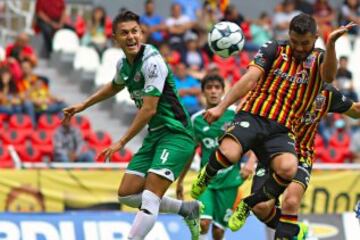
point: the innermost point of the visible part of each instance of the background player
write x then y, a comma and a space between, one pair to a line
163, 155
219, 198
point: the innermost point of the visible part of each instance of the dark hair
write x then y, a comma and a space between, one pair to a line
303, 23
343, 58
212, 78
103, 18
125, 16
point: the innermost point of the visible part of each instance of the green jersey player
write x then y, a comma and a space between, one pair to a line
220, 196
169, 143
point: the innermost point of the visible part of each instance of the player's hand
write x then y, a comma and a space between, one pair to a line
337, 33
109, 151
71, 111
246, 172
213, 114
180, 190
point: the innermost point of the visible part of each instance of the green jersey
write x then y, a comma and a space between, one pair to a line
149, 75
207, 136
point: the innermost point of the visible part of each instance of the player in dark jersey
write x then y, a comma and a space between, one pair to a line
283, 81
329, 100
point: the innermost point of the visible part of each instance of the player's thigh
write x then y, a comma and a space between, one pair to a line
225, 199
131, 184
207, 198
243, 132
157, 184
172, 152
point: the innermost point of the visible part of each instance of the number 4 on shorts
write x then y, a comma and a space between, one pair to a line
164, 156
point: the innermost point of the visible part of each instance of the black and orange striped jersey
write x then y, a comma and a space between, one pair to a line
288, 87
329, 100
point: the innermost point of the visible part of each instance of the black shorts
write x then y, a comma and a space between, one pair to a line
253, 131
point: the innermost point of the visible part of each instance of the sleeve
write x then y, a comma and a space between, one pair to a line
339, 103
155, 72
266, 55
117, 80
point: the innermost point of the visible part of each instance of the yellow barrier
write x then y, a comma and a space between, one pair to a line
55, 190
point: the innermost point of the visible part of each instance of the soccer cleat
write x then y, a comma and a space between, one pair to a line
238, 218
303, 232
200, 184
193, 221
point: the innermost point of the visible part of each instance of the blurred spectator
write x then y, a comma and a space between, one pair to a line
350, 12
232, 14
171, 56
304, 6
261, 30
189, 89
69, 145
177, 24
9, 99
98, 31
49, 17
344, 79
152, 23
191, 55
209, 17
191, 8
282, 19
21, 49
324, 15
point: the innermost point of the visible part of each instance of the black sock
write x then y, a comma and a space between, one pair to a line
272, 188
274, 218
217, 161
287, 230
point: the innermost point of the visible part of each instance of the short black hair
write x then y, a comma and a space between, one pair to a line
303, 23
125, 16
344, 58
212, 78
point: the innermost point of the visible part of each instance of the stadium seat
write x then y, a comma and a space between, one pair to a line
334, 155
29, 153
49, 122
319, 141
104, 74
13, 137
5, 159
20, 121
43, 140
86, 59
340, 140
66, 41
99, 139
82, 122
123, 155
111, 56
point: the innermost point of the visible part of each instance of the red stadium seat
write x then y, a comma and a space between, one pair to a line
319, 141
99, 139
5, 159
340, 139
49, 121
82, 122
29, 153
43, 140
14, 137
124, 155
20, 121
334, 155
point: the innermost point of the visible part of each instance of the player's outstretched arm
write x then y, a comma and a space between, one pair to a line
239, 90
354, 111
103, 93
329, 65
143, 116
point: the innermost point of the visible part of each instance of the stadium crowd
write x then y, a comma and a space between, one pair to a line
30, 114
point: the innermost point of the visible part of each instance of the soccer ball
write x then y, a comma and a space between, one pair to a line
226, 39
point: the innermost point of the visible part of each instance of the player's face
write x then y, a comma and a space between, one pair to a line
213, 91
129, 35
301, 44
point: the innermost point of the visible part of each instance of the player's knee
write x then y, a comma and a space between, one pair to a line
290, 203
230, 149
261, 210
205, 225
285, 166
218, 233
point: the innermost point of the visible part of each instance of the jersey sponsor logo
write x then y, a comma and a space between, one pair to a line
210, 143
299, 78
153, 71
309, 61
261, 172
319, 102
309, 118
206, 128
